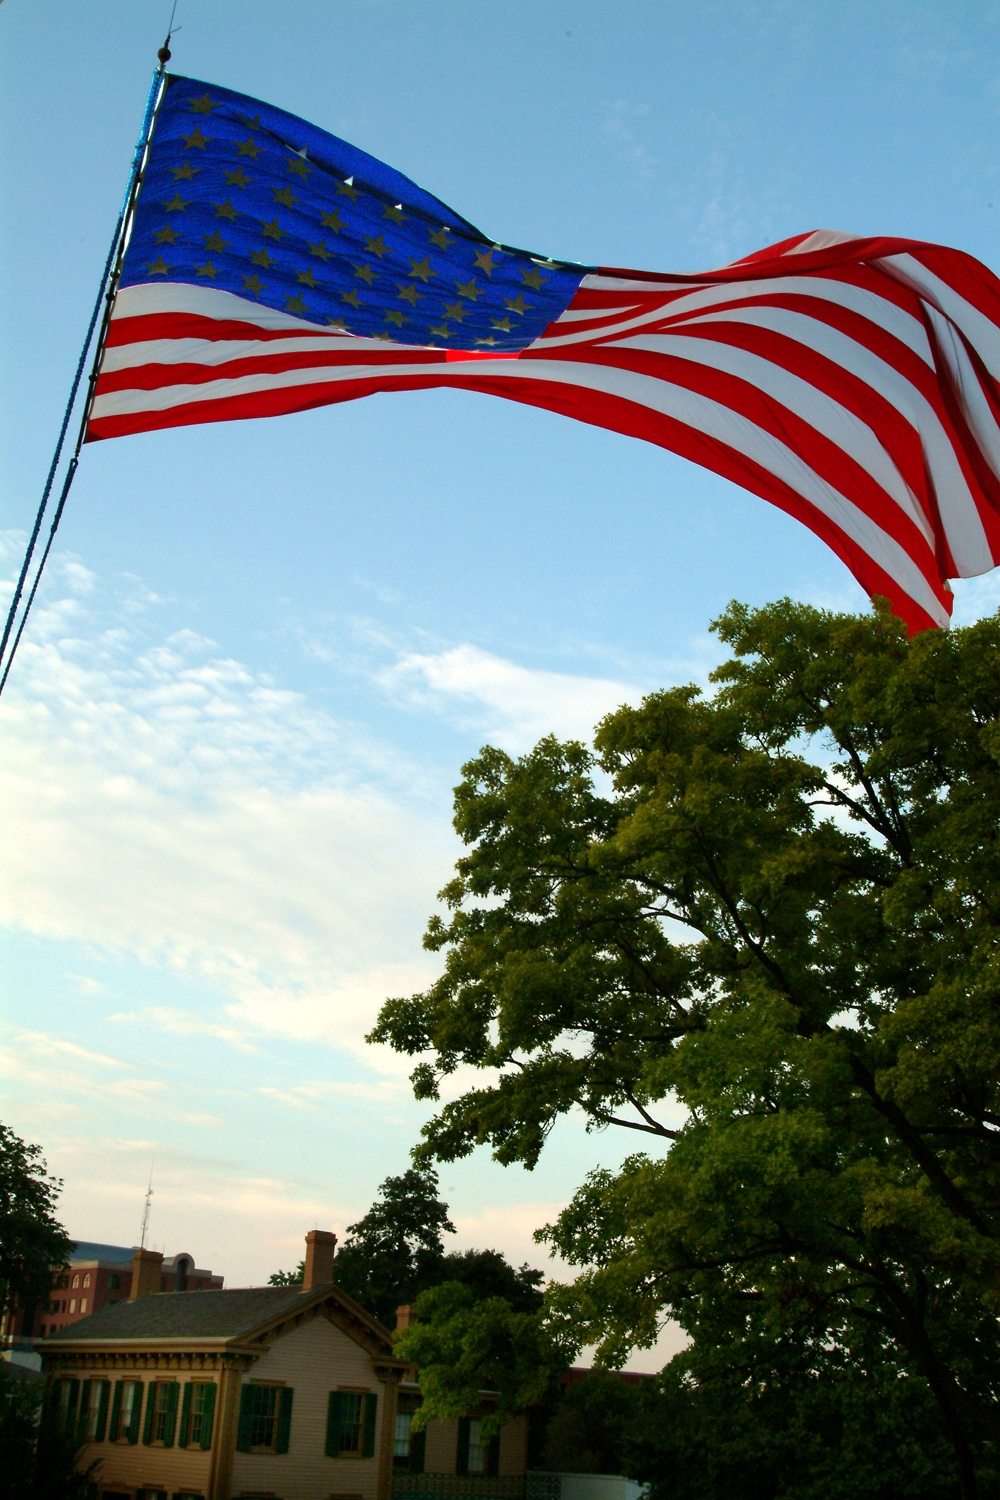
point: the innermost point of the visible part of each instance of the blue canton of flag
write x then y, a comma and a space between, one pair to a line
246, 198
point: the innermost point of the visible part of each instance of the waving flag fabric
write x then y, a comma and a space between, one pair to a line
853, 382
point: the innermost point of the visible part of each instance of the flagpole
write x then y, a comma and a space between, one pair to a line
105, 295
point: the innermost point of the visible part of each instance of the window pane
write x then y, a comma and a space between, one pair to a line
161, 1398
127, 1407
352, 1422
263, 1428
477, 1449
401, 1445
197, 1428
93, 1408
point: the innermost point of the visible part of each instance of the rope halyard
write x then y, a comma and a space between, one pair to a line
105, 296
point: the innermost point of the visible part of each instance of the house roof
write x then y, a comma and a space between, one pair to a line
224, 1315
164, 1315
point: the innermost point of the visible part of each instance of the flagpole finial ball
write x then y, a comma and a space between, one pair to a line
164, 54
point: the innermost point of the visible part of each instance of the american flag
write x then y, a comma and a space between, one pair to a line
851, 381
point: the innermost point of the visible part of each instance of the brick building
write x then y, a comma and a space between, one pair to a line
97, 1276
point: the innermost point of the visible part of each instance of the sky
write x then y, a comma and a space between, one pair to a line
264, 649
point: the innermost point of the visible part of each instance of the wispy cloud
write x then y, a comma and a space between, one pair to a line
182, 1023
41, 1042
621, 131
162, 800
514, 704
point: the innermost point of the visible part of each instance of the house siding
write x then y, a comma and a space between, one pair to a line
514, 1446
441, 1453
313, 1360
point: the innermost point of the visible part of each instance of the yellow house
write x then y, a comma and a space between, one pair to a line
289, 1393
267, 1391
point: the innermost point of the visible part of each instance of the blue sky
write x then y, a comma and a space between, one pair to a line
266, 648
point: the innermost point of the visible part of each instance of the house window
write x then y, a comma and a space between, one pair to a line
161, 1410
352, 1421
72, 1304
201, 1413
83, 1304
114, 1281
264, 1418
86, 1279
477, 1448
93, 1413
128, 1410
401, 1442
65, 1399
76, 1282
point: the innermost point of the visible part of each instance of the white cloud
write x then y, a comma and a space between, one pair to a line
239, 1223
517, 705
39, 1041
316, 1091
182, 1023
88, 986
162, 800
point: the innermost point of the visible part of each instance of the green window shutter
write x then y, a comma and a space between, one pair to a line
182, 1436
418, 1447
284, 1419
244, 1429
116, 1411
102, 1412
462, 1458
208, 1407
81, 1425
493, 1457
334, 1418
147, 1431
133, 1426
170, 1426
368, 1437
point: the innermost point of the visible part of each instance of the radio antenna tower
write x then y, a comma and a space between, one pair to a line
145, 1211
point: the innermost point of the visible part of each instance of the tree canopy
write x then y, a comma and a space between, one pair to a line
33, 1244
760, 930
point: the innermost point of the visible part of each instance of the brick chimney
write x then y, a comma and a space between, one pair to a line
320, 1245
146, 1267
405, 1317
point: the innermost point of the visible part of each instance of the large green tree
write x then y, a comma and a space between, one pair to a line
760, 930
33, 1244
